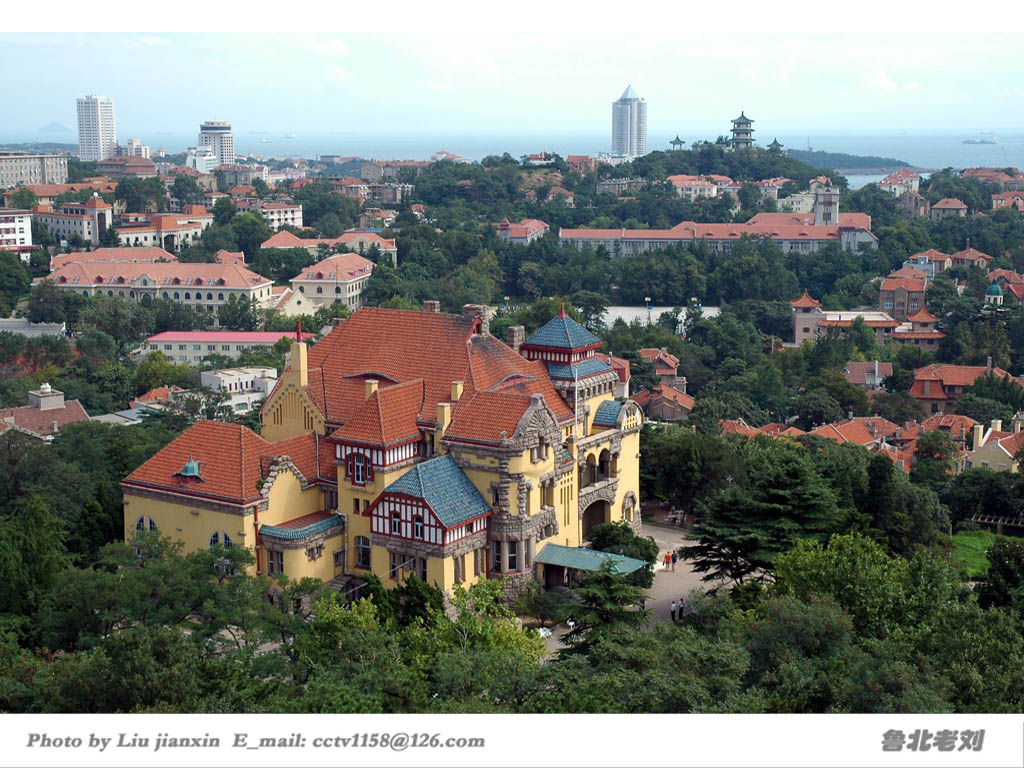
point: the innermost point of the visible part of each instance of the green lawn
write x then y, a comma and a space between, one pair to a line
969, 548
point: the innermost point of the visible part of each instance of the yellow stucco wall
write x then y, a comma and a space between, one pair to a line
993, 457
290, 412
188, 524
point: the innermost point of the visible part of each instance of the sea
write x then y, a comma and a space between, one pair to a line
927, 151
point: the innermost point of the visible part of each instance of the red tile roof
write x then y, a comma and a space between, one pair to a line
339, 267
39, 422
908, 284
387, 417
971, 254
312, 455
663, 392
933, 255
951, 203
922, 316
395, 346
620, 366
805, 301
145, 254
229, 463
955, 375
856, 372
953, 423
909, 272
162, 275
737, 427
230, 257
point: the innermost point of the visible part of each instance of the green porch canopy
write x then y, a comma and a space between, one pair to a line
582, 559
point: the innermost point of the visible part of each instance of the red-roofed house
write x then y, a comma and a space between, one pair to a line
340, 277
1008, 200
898, 182
902, 296
454, 457
664, 403
523, 233
930, 262
360, 242
947, 207
997, 450
581, 164
922, 332
971, 257
939, 386
44, 416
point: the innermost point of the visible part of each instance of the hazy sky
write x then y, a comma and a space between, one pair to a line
401, 68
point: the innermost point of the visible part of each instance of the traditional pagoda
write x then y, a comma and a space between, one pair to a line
676, 143
775, 146
742, 132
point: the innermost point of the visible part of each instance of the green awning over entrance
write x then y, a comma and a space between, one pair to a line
581, 559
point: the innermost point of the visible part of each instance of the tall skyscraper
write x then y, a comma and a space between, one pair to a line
97, 135
217, 135
629, 125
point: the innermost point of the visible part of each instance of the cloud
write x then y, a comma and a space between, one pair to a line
328, 47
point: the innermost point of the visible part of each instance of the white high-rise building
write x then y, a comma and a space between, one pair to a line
629, 125
217, 135
97, 134
134, 148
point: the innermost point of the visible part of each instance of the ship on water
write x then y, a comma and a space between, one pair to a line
993, 140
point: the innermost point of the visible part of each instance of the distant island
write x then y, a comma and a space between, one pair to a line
844, 163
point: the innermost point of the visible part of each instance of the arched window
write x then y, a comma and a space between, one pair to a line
143, 522
188, 296
166, 295
220, 297
417, 527
176, 295
319, 289
209, 297
337, 289
220, 537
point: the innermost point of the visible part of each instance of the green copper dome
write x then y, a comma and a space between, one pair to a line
191, 468
994, 289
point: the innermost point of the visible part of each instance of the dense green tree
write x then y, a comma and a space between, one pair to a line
14, 281
187, 191
239, 313
250, 230
620, 539
746, 526
24, 198
224, 211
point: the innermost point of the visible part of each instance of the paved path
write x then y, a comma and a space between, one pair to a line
667, 586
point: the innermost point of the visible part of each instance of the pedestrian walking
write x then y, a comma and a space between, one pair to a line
681, 608
674, 607
675, 556
668, 560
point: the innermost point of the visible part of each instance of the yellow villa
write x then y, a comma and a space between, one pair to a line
410, 442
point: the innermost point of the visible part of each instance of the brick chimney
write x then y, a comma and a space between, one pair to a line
988, 364
515, 336
432, 306
483, 312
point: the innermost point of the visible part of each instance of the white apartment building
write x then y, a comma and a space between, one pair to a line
134, 148
629, 125
18, 168
16, 231
278, 214
203, 158
192, 346
217, 135
97, 134
87, 220
245, 387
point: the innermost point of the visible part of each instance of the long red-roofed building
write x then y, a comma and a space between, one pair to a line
205, 287
939, 385
796, 237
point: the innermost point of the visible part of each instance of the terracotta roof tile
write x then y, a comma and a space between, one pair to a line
229, 457
387, 417
39, 422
